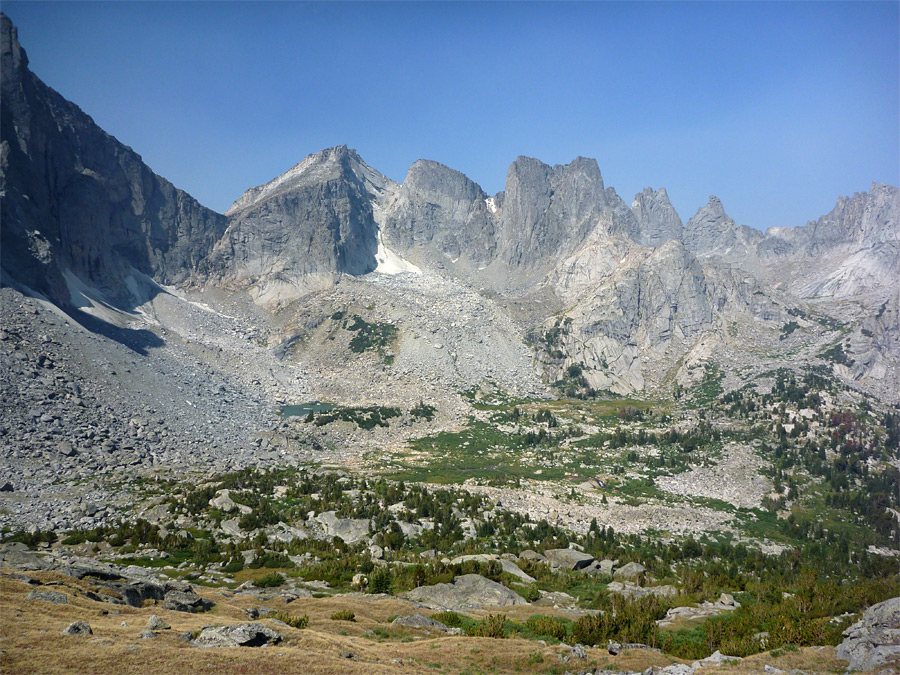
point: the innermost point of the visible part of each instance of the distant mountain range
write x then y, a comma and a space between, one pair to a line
630, 294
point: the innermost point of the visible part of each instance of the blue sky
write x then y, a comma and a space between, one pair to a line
777, 108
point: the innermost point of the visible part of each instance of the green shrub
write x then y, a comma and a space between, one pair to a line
343, 615
451, 619
382, 581
530, 593
547, 626
299, 622
491, 627
269, 580
233, 567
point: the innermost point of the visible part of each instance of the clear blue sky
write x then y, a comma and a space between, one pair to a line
777, 108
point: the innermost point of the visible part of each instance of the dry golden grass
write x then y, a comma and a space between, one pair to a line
31, 640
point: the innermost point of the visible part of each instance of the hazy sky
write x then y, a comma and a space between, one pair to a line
777, 108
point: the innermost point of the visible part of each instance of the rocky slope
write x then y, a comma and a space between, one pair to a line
629, 296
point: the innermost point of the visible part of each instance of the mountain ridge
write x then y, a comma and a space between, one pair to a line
639, 287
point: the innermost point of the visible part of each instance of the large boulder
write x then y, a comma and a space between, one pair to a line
351, 530
48, 596
418, 620
186, 601
629, 571
78, 628
873, 642
511, 568
568, 558
467, 592
250, 634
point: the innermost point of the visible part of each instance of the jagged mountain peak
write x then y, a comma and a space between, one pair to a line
658, 221
316, 167
14, 56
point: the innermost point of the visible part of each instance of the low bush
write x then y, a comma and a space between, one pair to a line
343, 615
269, 580
491, 627
299, 622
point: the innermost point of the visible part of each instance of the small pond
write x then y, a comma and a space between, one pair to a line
304, 409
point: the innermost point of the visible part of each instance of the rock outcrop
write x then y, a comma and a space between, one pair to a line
467, 592
301, 230
657, 220
441, 209
250, 634
711, 231
76, 200
873, 642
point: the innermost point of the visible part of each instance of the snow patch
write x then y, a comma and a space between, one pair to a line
391, 263
491, 204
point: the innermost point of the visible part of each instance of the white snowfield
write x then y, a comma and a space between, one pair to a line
391, 263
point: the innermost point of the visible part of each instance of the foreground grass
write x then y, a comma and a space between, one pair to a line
33, 643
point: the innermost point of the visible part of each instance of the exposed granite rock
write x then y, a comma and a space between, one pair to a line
78, 628
469, 591
439, 208
873, 642
249, 634
712, 231
351, 530
548, 210
300, 230
629, 571
568, 558
77, 199
48, 596
418, 620
630, 590
658, 221
186, 601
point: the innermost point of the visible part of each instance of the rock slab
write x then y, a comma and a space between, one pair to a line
873, 642
467, 592
250, 634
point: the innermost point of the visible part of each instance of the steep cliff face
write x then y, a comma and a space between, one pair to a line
439, 208
657, 220
548, 211
301, 230
75, 199
712, 232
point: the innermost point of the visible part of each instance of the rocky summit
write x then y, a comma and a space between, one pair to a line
399, 425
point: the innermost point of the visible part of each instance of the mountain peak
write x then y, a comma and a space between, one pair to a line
14, 58
312, 167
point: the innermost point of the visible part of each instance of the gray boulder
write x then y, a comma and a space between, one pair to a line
48, 596
351, 530
568, 558
186, 601
629, 571
873, 642
533, 556
511, 568
155, 623
418, 620
630, 590
78, 628
606, 567
467, 592
250, 634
